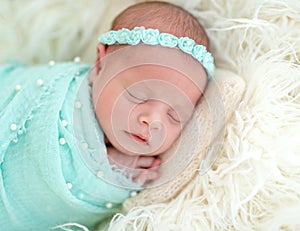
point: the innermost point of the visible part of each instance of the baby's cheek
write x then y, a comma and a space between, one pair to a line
121, 111
176, 133
171, 135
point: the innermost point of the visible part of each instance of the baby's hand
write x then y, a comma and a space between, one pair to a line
143, 168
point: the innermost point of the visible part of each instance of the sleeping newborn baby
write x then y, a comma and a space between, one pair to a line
76, 140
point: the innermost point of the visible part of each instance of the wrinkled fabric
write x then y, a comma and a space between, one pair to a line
44, 181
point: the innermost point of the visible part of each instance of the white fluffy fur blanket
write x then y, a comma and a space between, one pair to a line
255, 182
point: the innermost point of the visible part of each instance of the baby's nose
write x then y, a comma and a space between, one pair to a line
152, 121
153, 116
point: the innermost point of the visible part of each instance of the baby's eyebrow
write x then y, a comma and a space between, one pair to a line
184, 111
184, 106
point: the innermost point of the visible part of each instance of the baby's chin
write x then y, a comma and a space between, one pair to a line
142, 153
138, 152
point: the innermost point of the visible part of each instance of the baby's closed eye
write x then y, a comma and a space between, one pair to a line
135, 98
173, 116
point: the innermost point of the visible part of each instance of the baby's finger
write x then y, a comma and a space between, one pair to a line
145, 162
147, 175
156, 163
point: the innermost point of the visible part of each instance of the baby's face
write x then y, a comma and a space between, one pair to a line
143, 110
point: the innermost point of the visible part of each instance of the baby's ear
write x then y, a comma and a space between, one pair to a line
101, 52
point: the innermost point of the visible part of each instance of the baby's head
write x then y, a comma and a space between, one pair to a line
149, 76
165, 17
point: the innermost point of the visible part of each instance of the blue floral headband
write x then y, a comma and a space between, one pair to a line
154, 37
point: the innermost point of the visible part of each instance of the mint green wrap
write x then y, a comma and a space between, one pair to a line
44, 180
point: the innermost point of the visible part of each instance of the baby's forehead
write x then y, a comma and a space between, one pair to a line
160, 61
155, 72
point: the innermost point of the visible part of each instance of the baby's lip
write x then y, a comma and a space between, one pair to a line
139, 138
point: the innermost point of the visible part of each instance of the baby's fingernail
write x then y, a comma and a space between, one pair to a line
156, 162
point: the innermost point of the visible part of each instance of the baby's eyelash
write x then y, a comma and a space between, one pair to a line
139, 100
174, 118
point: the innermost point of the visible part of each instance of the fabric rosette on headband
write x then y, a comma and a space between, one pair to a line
154, 37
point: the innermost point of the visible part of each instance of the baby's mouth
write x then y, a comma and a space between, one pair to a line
139, 138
